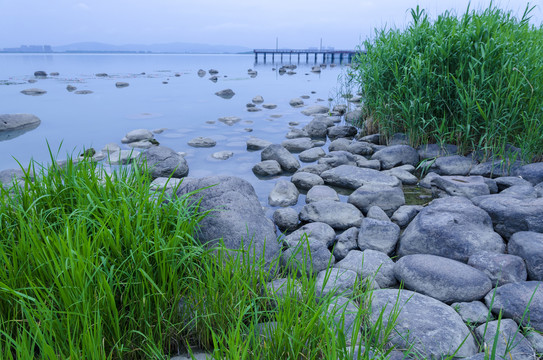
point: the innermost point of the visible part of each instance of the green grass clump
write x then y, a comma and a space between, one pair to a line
474, 80
91, 265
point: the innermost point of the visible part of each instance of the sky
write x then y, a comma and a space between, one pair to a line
342, 24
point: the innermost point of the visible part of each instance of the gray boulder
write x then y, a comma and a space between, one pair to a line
500, 268
372, 164
473, 312
510, 344
339, 282
466, 186
510, 214
321, 192
164, 162
258, 99
316, 169
492, 168
314, 232
352, 177
531, 172
254, 143
452, 165
360, 148
315, 110
10, 176
296, 133
267, 168
345, 313
312, 154
354, 117
137, 135
286, 218
297, 145
345, 242
529, 246
296, 102
378, 235
10, 122
278, 153
230, 120
340, 144
202, 73
370, 263
343, 131
539, 189
513, 300
452, 227
520, 191
40, 73
443, 279
395, 155
305, 180
33, 91
284, 193
222, 155
201, 141
338, 158
226, 93
338, 215
236, 215
318, 128
424, 325
269, 106
388, 198
121, 84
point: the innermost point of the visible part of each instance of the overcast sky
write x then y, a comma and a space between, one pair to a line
250, 23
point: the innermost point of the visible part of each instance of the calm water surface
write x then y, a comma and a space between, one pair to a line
183, 106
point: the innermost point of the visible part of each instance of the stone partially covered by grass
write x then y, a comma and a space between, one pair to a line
474, 80
94, 265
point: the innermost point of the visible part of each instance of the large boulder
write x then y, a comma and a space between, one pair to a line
500, 268
298, 145
226, 93
531, 172
529, 246
452, 165
314, 232
278, 153
441, 278
388, 198
423, 324
522, 302
451, 227
284, 193
510, 214
236, 216
338, 215
378, 235
370, 263
466, 186
315, 110
341, 131
339, 282
10, 122
318, 128
352, 177
395, 155
165, 162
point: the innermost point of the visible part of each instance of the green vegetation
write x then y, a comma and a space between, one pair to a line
474, 80
95, 266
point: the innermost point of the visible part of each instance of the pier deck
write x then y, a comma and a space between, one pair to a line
326, 54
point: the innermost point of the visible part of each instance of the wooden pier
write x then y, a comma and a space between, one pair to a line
325, 54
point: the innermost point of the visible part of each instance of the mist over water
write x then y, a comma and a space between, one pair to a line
183, 106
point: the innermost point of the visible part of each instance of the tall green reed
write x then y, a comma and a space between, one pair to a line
475, 80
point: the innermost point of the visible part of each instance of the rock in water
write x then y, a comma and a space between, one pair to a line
226, 93
33, 91
236, 215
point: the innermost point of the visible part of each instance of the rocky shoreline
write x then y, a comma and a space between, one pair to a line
476, 249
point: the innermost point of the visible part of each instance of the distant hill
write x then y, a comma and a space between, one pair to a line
176, 47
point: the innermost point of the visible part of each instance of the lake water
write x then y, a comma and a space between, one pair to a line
183, 106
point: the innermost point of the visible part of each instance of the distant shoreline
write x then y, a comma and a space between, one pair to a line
126, 52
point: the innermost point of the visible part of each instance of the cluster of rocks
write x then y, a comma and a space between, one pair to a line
473, 252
